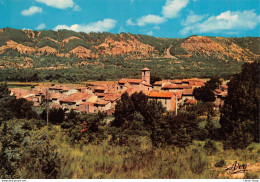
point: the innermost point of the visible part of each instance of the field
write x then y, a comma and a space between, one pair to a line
140, 160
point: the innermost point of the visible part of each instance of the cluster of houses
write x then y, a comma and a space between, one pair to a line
173, 94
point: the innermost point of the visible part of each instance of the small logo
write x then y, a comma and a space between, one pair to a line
237, 168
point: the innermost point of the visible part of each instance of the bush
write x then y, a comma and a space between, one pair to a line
251, 175
220, 163
210, 147
198, 161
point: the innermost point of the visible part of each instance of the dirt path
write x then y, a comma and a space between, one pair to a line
168, 54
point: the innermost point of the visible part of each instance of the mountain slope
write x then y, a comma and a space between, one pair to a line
65, 43
215, 48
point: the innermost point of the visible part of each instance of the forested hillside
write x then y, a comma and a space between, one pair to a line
68, 56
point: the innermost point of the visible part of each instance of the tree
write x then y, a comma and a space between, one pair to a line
240, 113
137, 114
11, 107
154, 79
140, 102
56, 116
124, 110
204, 94
176, 130
153, 114
213, 83
4, 91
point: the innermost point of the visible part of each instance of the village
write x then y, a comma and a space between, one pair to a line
102, 97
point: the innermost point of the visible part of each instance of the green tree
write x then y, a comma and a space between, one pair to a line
213, 83
240, 113
124, 110
4, 91
204, 94
176, 130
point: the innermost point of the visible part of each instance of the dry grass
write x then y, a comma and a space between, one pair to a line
143, 161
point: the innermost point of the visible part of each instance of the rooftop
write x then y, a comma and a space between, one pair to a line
161, 94
190, 101
101, 102
111, 97
146, 69
187, 92
76, 97
129, 80
176, 86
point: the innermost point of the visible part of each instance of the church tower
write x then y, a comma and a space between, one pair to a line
146, 75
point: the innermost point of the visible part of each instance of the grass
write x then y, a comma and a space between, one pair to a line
141, 161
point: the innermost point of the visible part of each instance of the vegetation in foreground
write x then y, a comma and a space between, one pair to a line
141, 141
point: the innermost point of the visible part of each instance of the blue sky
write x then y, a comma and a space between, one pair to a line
160, 18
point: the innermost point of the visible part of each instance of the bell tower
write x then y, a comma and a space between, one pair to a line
146, 75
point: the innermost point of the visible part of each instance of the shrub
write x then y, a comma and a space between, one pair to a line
251, 175
210, 147
220, 163
198, 161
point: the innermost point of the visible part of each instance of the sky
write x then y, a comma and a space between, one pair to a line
159, 18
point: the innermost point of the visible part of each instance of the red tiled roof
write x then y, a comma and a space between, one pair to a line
111, 97
128, 80
100, 88
187, 92
76, 97
161, 94
146, 84
146, 92
190, 101
130, 90
21, 93
175, 81
224, 86
101, 102
224, 94
178, 94
146, 69
87, 103
100, 94
30, 98
218, 91
56, 95
110, 111
60, 87
158, 83
55, 105
175, 86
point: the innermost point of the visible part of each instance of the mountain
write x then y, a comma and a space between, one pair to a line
66, 43
104, 53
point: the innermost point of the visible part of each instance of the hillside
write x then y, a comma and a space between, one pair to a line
99, 56
65, 43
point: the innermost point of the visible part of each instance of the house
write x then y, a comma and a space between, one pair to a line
102, 105
187, 94
73, 100
220, 98
157, 85
137, 84
87, 107
63, 89
224, 88
168, 99
174, 87
112, 98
